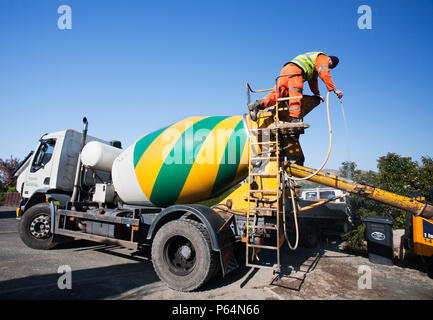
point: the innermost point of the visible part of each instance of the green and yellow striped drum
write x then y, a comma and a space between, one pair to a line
192, 160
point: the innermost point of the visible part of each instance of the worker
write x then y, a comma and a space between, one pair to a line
305, 67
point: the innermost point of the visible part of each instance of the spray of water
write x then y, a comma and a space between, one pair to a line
349, 172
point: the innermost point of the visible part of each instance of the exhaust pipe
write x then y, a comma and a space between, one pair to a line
77, 181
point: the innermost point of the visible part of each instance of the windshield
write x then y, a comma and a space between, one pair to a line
327, 195
44, 154
311, 196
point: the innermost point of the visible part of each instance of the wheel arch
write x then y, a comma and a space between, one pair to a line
208, 217
37, 197
40, 195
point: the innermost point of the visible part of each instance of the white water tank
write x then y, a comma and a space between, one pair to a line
99, 156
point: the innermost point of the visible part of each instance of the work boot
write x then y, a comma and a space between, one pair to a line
293, 119
254, 108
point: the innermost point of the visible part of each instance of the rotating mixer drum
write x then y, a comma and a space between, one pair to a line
192, 160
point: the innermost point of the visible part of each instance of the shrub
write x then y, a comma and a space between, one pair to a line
396, 174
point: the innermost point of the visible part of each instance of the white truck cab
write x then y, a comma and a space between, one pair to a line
51, 169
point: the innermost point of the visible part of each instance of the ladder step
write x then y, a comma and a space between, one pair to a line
264, 158
259, 246
263, 208
292, 125
264, 191
253, 265
264, 174
258, 129
289, 98
284, 125
266, 227
264, 142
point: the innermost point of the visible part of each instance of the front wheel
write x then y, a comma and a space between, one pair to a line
35, 227
182, 255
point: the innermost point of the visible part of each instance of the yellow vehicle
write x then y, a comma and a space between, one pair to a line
418, 238
422, 236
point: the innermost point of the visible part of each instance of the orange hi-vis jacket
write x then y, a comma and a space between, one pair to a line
291, 83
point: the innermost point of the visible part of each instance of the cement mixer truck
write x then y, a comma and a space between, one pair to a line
79, 187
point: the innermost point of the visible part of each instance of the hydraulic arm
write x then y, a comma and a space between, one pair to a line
417, 208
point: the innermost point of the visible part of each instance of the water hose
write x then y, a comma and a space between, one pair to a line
293, 179
329, 147
295, 215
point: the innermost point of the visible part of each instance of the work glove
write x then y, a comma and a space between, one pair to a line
254, 107
339, 93
259, 104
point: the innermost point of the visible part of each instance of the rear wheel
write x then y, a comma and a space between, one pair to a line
35, 227
182, 255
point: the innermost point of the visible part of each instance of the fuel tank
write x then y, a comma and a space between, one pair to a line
189, 161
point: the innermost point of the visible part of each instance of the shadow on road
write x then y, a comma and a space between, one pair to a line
293, 265
7, 214
96, 283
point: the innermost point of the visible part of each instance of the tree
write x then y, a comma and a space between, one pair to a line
348, 170
426, 177
397, 174
7, 167
359, 205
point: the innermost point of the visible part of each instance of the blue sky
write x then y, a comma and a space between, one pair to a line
133, 67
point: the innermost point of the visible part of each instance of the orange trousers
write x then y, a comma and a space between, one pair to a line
290, 83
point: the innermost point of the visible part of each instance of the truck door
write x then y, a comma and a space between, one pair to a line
38, 177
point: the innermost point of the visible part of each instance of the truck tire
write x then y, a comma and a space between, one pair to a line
34, 227
182, 255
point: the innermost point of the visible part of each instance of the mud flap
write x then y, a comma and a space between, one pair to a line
228, 260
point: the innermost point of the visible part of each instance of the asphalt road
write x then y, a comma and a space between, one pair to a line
110, 272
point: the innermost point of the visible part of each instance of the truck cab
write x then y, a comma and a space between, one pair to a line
50, 169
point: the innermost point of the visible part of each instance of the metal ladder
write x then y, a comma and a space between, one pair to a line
256, 206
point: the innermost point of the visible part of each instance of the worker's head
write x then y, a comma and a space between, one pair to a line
333, 61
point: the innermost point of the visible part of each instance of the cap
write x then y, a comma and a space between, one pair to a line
334, 60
